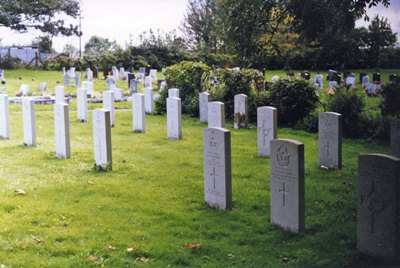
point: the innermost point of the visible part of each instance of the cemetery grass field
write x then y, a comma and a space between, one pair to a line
149, 210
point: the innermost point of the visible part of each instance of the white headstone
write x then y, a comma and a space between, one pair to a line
60, 97
63, 71
173, 92
72, 72
77, 80
241, 112
115, 73
61, 130
138, 113
217, 168
43, 86
319, 80
287, 184
29, 122
88, 86
82, 106
365, 80
4, 117
118, 94
111, 83
378, 210
133, 86
148, 82
102, 139
174, 114
216, 114
330, 140
267, 121
332, 84
67, 79
148, 100
108, 103
204, 99
153, 74
24, 90
89, 75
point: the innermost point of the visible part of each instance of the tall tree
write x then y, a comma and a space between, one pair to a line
22, 15
45, 43
99, 44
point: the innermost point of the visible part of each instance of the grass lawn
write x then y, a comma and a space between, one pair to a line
149, 210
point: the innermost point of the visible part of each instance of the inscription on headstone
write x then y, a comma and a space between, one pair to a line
378, 210
330, 140
174, 118
173, 92
138, 113
266, 128
4, 117
217, 168
61, 130
240, 111
287, 184
102, 139
216, 114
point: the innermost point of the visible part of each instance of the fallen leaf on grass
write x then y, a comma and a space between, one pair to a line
283, 258
20, 192
143, 259
132, 249
90, 182
36, 239
231, 256
193, 246
111, 248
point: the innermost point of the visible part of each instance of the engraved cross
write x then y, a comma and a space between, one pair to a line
284, 193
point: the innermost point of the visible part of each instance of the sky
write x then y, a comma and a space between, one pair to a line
123, 20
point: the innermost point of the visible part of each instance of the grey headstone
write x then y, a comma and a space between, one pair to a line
138, 113
241, 112
61, 130
82, 106
60, 96
4, 117
29, 121
174, 114
267, 122
111, 83
216, 114
102, 139
67, 79
395, 138
287, 184
43, 86
108, 104
204, 99
378, 209
148, 100
330, 140
173, 92
133, 86
217, 168
77, 80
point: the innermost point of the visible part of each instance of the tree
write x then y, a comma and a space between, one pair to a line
22, 15
380, 35
99, 44
70, 49
45, 44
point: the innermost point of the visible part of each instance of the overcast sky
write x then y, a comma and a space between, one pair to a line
120, 19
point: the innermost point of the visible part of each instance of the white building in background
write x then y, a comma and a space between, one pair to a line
25, 54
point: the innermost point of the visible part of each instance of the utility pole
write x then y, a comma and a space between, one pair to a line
80, 30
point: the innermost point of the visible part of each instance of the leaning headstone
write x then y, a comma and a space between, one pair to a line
216, 114
241, 112
138, 113
82, 107
330, 140
173, 92
287, 184
43, 86
217, 168
267, 122
4, 117
88, 86
60, 97
108, 103
24, 89
378, 206
174, 114
77, 80
61, 130
102, 139
148, 100
395, 138
29, 122
204, 99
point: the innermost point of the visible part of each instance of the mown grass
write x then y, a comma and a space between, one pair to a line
152, 201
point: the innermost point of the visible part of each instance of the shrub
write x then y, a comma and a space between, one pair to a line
350, 104
189, 78
294, 98
391, 99
245, 81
